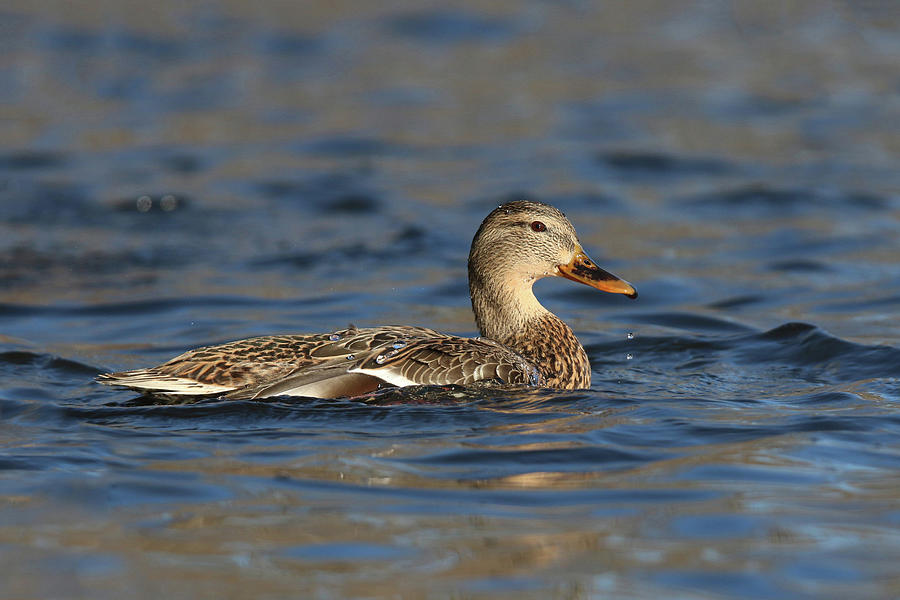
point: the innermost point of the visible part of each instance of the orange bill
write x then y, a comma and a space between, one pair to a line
583, 270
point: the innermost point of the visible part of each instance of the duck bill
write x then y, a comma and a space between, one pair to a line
583, 270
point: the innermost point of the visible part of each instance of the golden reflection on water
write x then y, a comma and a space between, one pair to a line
242, 545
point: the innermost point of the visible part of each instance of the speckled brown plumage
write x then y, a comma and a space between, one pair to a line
521, 343
563, 363
269, 365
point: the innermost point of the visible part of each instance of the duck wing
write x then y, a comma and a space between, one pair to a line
445, 359
344, 363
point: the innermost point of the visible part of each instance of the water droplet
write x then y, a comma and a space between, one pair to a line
380, 358
168, 203
334, 337
630, 335
144, 203
400, 344
351, 356
629, 356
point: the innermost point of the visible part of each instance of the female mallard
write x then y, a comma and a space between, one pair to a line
522, 342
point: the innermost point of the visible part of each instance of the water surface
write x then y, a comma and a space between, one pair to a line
191, 175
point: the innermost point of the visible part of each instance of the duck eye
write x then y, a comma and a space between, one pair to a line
538, 226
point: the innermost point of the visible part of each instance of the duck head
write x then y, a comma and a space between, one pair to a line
523, 241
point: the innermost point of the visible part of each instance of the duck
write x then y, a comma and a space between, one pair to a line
521, 342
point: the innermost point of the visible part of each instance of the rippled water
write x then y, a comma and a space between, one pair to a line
181, 176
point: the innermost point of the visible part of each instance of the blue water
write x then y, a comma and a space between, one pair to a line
191, 175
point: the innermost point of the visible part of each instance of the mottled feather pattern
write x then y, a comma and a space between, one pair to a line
564, 363
442, 359
245, 368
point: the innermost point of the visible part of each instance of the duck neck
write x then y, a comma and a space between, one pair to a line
511, 315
